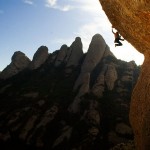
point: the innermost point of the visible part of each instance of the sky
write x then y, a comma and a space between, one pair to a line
25, 25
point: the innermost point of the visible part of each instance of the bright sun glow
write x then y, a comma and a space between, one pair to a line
100, 24
33, 23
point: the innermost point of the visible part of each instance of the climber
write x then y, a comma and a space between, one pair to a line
117, 38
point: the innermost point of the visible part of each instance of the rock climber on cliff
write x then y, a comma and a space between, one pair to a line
117, 38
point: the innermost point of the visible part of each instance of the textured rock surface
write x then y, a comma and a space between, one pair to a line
99, 86
131, 19
107, 76
130, 12
39, 57
18, 63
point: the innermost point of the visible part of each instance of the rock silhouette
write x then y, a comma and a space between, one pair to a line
18, 62
39, 57
68, 100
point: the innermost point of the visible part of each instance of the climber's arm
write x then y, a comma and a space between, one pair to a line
113, 31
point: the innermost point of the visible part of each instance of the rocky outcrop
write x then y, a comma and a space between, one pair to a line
95, 53
18, 62
139, 111
75, 106
99, 86
131, 12
107, 77
111, 76
71, 101
76, 53
70, 56
39, 57
61, 55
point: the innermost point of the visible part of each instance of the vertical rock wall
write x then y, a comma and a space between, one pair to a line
131, 18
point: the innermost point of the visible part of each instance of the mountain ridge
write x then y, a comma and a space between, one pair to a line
69, 102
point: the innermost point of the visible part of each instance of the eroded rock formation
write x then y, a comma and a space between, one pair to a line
131, 18
34, 104
39, 57
18, 63
61, 55
76, 52
95, 53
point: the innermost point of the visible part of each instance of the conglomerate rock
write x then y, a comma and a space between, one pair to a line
131, 18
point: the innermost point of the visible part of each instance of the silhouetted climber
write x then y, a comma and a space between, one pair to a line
117, 38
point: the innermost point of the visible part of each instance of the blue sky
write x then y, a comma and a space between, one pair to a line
25, 25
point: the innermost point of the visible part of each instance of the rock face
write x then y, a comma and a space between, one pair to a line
39, 57
111, 76
61, 55
72, 101
131, 12
76, 53
95, 53
70, 56
18, 63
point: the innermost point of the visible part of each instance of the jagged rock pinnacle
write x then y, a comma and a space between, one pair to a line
39, 57
18, 63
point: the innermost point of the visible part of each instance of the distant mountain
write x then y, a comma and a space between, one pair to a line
66, 100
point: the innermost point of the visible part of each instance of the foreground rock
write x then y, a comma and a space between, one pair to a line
131, 12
